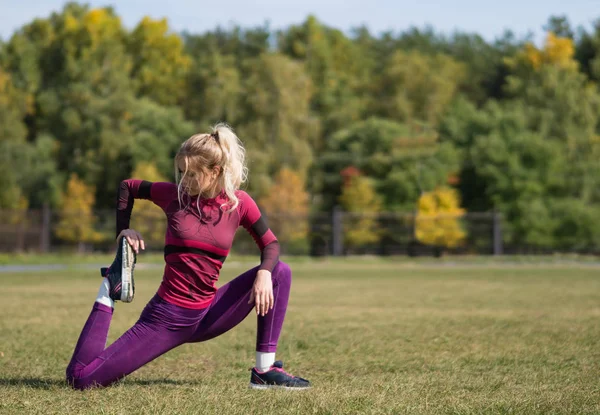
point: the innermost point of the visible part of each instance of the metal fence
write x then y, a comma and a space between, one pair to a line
322, 234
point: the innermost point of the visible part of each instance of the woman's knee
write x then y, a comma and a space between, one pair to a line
75, 381
282, 272
75, 378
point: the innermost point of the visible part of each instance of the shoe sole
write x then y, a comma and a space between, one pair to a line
265, 387
127, 265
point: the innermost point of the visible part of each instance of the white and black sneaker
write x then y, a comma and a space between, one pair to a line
120, 273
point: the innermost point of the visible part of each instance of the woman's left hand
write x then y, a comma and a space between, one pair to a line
262, 292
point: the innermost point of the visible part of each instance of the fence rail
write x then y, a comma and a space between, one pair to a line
321, 234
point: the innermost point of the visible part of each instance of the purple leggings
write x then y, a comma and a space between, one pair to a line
163, 326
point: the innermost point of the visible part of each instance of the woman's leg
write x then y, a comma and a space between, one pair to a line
230, 306
161, 327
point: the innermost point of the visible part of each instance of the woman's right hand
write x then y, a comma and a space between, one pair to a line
133, 238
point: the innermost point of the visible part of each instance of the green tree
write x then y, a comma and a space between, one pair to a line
12, 110
86, 95
213, 90
511, 165
160, 65
588, 51
561, 104
417, 87
79, 72
402, 159
157, 133
338, 69
560, 26
237, 42
278, 127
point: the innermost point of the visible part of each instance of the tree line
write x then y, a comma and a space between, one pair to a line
392, 122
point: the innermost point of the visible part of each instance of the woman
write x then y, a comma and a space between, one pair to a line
203, 209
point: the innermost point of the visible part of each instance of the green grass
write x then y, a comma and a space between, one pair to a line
373, 337
73, 260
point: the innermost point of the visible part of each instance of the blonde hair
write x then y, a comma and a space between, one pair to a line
222, 148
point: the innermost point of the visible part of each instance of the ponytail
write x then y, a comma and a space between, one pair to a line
234, 171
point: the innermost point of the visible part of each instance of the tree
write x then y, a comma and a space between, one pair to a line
160, 65
237, 42
28, 171
557, 51
148, 219
337, 67
85, 95
417, 87
213, 90
83, 79
560, 26
438, 218
12, 110
588, 52
560, 103
287, 207
278, 127
361, 202
402, 159
157, 133
12, 135
578, 227
512, 165
76, 219
483, 63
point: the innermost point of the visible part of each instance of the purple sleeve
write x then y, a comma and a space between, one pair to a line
269, 256
254, 222
159, 193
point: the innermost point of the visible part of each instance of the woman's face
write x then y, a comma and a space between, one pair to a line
189, 179
196, 182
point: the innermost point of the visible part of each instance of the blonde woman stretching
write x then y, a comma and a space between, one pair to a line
203, 209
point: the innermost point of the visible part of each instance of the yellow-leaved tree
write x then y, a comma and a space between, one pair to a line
286, 207
557, 51
438, 218
147, 218
77, 222
361, 202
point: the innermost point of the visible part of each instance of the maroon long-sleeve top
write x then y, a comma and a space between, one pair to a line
196, 244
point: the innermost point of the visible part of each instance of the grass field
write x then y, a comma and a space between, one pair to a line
373, 337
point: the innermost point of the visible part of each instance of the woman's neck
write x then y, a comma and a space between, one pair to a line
210, 193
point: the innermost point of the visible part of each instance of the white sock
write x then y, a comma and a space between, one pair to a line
264, 360
103, 297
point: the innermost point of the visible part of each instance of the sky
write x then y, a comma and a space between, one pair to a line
487, 18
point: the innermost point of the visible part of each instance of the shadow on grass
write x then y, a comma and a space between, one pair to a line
36, 383
39, 383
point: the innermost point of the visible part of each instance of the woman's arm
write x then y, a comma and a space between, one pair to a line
159, 193
128, 191
256, 225
253, 221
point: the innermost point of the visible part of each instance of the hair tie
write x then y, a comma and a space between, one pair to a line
215, 135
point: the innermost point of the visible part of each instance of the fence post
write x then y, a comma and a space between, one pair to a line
338, 231
45, 237
497, 233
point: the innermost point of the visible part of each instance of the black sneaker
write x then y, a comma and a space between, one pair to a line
120, 273
276, 377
